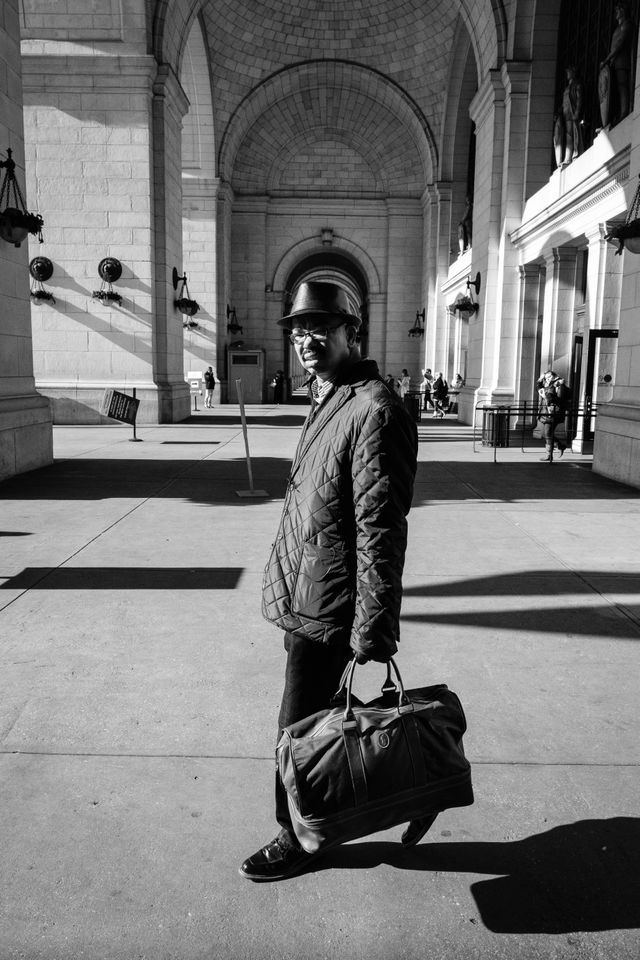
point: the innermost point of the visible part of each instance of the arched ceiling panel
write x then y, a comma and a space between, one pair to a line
315, 144
320, 100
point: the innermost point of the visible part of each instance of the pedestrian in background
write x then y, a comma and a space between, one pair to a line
209, 387
427, 382
439, 395
554, 396
404, 384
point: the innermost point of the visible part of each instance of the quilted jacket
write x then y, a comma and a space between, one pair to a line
336, 565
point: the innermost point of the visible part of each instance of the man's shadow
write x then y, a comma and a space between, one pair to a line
584, 876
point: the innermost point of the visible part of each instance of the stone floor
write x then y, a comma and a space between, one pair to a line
139, 692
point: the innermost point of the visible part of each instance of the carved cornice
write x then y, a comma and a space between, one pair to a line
565, 210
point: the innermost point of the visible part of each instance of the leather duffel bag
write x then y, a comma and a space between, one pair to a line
358, 768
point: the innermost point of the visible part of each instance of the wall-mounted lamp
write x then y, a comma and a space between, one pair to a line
417, 330
233, 326
15, 221
41, 269
627, 234
109, 271
183, 301
464, 304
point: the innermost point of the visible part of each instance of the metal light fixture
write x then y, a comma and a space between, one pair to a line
233, 326
417, 330
183, 302
464, 304
109, 271
41, 269
627, 234
15, 221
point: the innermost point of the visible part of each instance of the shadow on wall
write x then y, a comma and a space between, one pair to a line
66, 410
581, 876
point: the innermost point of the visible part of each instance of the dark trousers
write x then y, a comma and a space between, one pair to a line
311, 678
549, 435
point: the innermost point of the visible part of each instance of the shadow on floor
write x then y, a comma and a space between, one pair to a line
234, 420
513, 482
217, 480
583, 876
124, 578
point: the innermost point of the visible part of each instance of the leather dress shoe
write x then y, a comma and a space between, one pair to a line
417, 829
277, 860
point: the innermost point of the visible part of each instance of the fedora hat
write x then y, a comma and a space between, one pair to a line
322, 302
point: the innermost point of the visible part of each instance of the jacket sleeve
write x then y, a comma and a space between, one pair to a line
383, 471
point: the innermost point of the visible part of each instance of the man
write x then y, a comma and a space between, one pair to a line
333, 581
209, 385
554, 396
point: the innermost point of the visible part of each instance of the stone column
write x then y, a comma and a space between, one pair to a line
199, 197
25, 418
500, 112
559, 307
224, 210
516, 79
487, 111
169, 106
404, 285
430, 271
529, 331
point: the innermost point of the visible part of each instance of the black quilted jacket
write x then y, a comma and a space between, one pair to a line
336, 565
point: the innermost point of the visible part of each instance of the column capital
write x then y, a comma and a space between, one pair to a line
595, 234
516, 78
490, 93
530, 271
166, 86
556, 255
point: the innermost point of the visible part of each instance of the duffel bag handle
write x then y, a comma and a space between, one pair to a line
347, 682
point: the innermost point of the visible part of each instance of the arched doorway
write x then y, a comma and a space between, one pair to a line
330, 267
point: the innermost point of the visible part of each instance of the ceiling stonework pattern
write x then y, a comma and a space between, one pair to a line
337, 143
408, 41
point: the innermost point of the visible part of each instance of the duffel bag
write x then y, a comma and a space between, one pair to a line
358, 768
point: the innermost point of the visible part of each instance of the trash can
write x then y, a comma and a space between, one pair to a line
413, 403
495, 427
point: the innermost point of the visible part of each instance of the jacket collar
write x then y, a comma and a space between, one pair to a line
348, 377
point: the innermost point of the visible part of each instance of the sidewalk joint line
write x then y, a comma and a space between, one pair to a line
233, 756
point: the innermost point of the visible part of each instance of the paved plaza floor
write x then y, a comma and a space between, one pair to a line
139, 689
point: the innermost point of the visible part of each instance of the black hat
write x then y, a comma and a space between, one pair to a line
322, 302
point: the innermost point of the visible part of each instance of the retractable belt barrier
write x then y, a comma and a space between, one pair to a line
497, 419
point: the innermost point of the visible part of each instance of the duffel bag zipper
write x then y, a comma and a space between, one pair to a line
391, 712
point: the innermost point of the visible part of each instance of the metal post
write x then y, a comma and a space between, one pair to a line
250, 492
134, 438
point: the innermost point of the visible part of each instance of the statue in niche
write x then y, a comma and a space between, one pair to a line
568, 141
614, 79
465, 227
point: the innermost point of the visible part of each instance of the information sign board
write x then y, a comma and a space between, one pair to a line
119, 406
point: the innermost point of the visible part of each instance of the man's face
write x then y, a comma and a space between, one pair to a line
323, 349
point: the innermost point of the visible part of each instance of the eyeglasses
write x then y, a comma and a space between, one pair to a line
320, 333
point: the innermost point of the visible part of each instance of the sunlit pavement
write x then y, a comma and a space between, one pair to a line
140, 687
